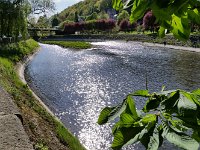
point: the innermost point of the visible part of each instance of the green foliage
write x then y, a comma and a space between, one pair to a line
16, 51
123, 15
13, 18
43, 22
70, 44
93, 16
103, 15
76, 17
62, 24
85, 8
55, 22
105, 4
41, 146
67, 138
173, 15
172, 115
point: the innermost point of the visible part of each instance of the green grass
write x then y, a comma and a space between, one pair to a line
16, 51
29, 106
70, 44
64, 136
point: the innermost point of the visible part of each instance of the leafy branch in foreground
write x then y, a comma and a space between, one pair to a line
174, 15
172, 115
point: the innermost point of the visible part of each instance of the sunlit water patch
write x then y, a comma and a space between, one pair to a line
76, 85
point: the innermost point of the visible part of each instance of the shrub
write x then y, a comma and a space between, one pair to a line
125, 25
149, 21
124, 15
69, 28
100, 25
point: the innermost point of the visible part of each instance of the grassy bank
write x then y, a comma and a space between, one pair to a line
70, 44
43, 129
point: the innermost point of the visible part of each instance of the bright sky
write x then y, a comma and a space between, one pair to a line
62, 4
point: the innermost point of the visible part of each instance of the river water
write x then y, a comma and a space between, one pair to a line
76, 85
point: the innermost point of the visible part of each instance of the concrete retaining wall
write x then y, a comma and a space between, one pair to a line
12, 133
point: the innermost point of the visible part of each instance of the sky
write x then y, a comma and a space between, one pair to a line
62, 4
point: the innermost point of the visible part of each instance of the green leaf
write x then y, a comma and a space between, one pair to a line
140, 135
127, 120
126, 136
161, 32
154, 140
152, 103
196, 96
186, 105
177, 125
131, 106
138, 10
189, 121
117, 125
181, 28
123, 135
194, 16
170, 104
180, 139
142, 93
196, 136
117, 4
117, 111
104, 115
149, 118
108, 114
166, 92
197, 92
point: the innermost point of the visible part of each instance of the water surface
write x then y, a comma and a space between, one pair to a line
76, 85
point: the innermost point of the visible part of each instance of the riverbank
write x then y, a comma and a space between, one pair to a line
142, 41
171, 46
193, 41
43, 129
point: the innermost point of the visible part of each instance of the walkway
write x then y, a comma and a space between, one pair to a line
12, 134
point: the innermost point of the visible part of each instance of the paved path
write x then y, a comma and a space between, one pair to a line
12, 134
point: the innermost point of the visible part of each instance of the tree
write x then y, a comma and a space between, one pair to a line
76, 17
13, 18
103, 15
93, 16
55, 22
149, 21
105, 4
172, 15
41, 6
43, 22
32, 21
124, 25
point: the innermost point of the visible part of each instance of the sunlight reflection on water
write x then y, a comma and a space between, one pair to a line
76, 85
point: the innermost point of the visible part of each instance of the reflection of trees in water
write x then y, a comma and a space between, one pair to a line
186, 69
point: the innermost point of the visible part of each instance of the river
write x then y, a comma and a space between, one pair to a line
77, 84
